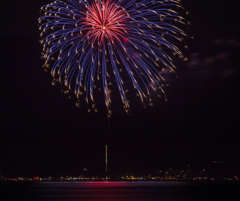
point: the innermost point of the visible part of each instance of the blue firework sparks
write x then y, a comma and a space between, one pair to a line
89, 40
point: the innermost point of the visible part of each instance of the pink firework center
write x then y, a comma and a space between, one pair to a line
105, 20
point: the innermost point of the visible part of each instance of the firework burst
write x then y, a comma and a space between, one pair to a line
89, 40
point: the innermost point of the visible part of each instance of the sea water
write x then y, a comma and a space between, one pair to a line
118, 191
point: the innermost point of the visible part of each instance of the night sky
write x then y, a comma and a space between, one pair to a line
43, 133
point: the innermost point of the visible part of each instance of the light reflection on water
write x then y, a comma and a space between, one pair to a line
113, 191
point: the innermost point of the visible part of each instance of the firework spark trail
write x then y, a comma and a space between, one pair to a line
86, 35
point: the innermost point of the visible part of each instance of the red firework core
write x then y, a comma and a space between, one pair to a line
105, 21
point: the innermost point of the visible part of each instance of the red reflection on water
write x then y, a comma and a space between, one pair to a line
106, 184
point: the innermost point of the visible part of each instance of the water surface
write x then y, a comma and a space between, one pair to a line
118, 191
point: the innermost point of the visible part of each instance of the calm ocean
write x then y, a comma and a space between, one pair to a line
118, 191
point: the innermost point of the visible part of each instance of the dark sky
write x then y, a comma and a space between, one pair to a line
42, 132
